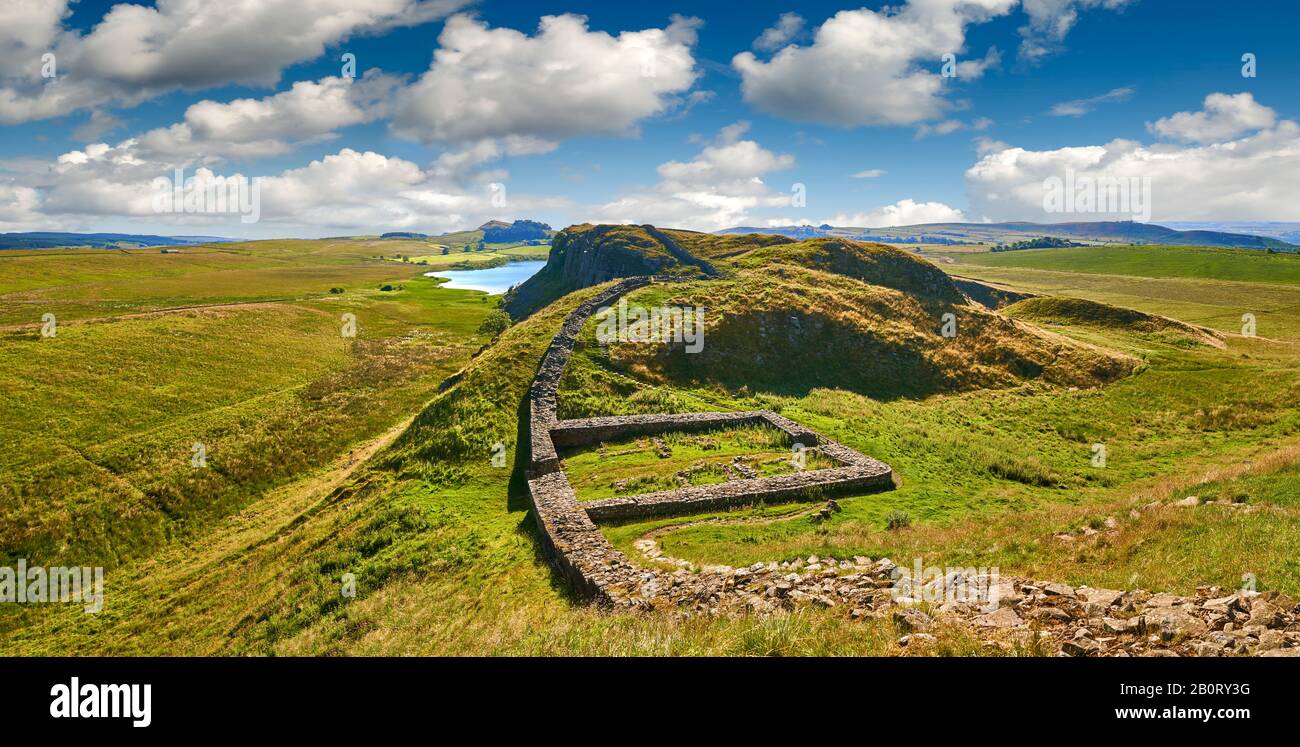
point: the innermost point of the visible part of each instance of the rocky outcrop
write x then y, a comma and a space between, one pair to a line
680, 254
584, 256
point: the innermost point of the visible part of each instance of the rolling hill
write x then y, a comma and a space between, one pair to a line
1100, 232
51, 239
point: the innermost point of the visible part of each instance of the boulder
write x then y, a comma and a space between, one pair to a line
912, 620
1115, 626
1175, 622
1081, 646
1266, 614
1057, 590
1003, 617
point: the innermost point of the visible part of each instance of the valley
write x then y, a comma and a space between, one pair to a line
366, 456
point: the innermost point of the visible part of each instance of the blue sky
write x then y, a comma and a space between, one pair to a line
736, 141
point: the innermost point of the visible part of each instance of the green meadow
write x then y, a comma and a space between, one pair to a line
239, 349
439, 542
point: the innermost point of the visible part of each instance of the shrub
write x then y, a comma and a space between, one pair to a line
336, 291
895, 519
386, 287
496, 322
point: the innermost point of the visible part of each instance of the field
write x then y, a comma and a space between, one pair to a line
438, 540
645, 465
240, 350
1210, 287
469, 258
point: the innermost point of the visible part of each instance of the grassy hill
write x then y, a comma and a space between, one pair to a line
49, 239
1153, 262
239, 349
1096, 232
991, 434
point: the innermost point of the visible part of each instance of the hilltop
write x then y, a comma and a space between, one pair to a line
789, 315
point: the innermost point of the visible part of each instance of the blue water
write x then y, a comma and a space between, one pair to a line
493, 280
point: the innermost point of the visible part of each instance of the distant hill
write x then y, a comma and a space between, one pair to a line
48, 240
520, 230
403, 235
1284, 230
493, 224
1101, 232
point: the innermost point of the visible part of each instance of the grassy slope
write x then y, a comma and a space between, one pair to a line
1197, 293
1240, 265
106, 412
445, 561
442, 551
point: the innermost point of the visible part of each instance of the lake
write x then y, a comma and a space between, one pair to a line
493, 280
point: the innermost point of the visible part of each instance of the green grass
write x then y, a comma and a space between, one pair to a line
104, 414
1237, 265
445, 554
632, 466
1208, 302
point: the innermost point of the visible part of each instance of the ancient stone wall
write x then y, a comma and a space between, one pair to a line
1010, 611
570, 537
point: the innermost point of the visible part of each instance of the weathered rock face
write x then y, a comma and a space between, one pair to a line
583, 256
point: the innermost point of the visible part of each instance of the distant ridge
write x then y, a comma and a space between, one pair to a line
1102, 232
51, 239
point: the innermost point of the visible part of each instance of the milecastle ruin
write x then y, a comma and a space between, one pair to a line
1010, 610
582, 554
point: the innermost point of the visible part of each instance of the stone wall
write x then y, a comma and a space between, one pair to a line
569, 535
800, 486
1010, 612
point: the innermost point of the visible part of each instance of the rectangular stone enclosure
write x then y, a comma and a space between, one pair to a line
856, 472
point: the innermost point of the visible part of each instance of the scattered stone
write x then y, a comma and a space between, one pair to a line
1081, 646
912, 620
1003, 617
1265, 614
1271, 639
1116, 626
1175, 622
1101, 597
1205, 648
1057, 590
1162, 600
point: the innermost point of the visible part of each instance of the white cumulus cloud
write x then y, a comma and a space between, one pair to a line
565, 81
1218, 175
868, 67
1223, 116
719, 188
906, 212
138, 52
